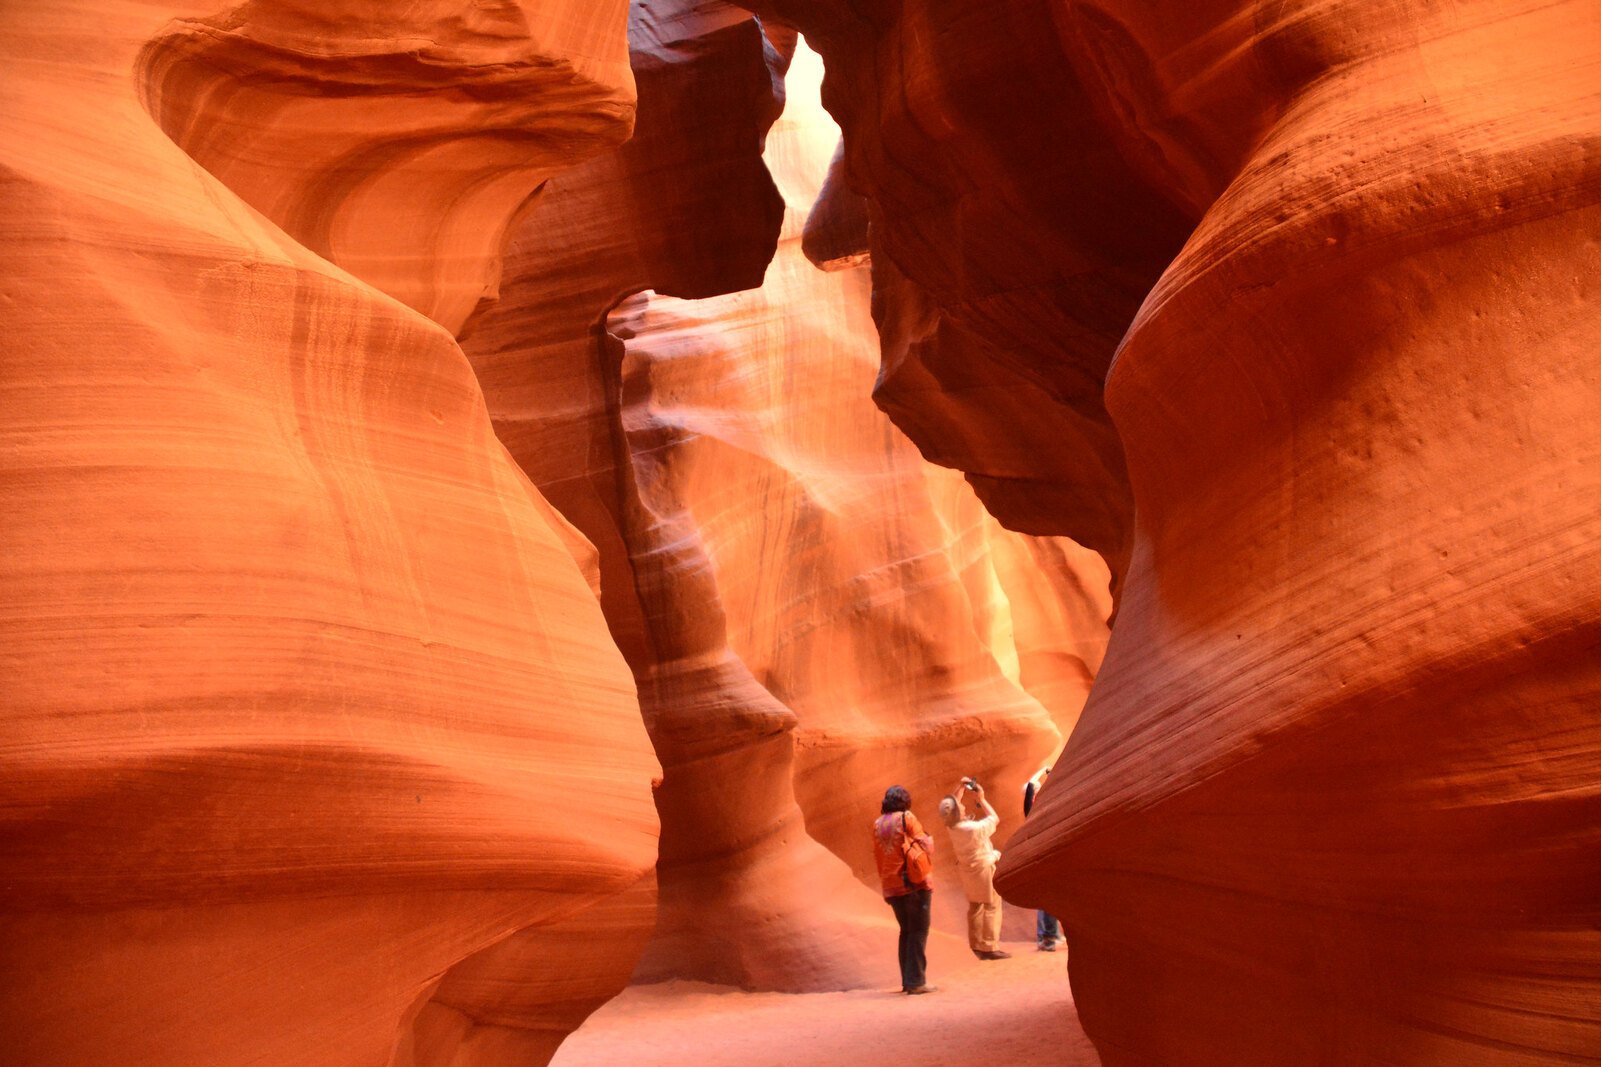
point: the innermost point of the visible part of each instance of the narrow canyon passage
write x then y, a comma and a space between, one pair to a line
525, 520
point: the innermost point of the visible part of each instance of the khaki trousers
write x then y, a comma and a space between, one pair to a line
983, 909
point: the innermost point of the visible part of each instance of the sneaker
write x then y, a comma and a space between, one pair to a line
1047, 946
996, 955
921, 989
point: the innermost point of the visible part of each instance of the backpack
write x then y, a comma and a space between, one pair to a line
917, 864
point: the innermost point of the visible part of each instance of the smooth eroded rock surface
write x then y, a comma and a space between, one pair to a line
802, 596
1334, 797
297, 662
1012, 241
319, 748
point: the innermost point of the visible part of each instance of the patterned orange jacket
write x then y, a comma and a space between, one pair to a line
887, 838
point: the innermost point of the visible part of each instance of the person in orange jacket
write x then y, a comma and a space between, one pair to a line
911, 900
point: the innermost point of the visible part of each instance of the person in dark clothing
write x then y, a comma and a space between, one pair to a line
1047, 931
911, 900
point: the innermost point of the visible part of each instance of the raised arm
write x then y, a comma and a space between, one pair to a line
986, 813
961, 794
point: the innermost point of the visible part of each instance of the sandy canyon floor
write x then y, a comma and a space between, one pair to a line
1017, 1012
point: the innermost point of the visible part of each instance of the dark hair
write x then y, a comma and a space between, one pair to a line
896, 798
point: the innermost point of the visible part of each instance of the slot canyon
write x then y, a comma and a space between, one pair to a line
496, 491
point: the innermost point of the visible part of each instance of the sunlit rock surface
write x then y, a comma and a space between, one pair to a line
801, 595
859, 584
307, 694
1011, 244
318, 750
1334, 798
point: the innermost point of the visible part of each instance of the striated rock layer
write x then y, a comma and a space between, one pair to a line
801, 595
302, 676
395, 142
688, 206
1335, 795
859, 584
1012, 241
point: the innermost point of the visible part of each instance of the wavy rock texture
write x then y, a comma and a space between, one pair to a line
516, 1001
1334, 798
397, 143
688, 206
1012, 242
800, 594
856, 582
302, 676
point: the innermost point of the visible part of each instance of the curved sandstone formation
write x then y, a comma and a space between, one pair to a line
396, 142
1011, 244
319, 749
800, 594
1334, 796
298, 664
686, 206
856, 583
516, 1001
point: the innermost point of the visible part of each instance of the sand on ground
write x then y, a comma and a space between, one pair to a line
1018, 1012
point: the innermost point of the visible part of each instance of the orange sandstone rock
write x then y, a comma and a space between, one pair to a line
746, 896
1334, 797
800, 594
1011, 240
686, 206
307, 698
396, 142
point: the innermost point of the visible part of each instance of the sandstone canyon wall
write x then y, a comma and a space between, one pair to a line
1334, 797
859, 584
801, 596
1012, 243
296, 659
318, 748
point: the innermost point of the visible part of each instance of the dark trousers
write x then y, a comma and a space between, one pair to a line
1046, 928
912, 912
